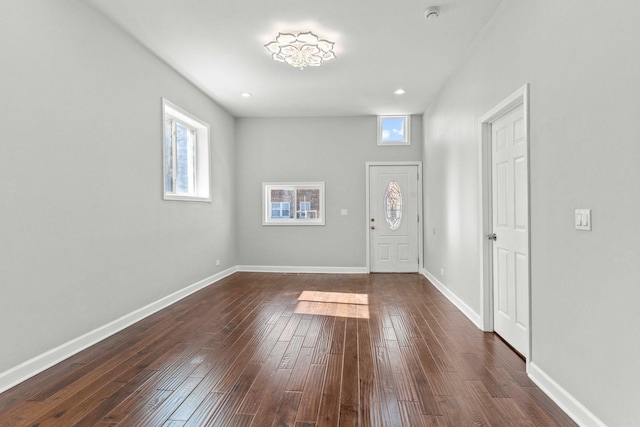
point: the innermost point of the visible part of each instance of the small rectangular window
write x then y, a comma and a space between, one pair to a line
286, 209
280, 209
293, 203
305, 206
186, 155
394, 130
276, 212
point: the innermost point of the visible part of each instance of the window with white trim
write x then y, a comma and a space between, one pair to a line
186, 155
394, 130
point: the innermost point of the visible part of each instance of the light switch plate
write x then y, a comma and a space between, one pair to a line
583, 219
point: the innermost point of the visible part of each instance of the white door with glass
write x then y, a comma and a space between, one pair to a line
510, 217
393, 218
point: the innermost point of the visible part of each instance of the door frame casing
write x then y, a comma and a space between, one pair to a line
368, 166
519, 97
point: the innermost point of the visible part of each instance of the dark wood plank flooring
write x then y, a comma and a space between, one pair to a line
358, 350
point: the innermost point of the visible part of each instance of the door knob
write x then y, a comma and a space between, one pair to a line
492, 236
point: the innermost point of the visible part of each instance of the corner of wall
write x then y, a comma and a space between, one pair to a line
455, 300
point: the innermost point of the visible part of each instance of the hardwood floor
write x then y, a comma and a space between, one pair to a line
368, 350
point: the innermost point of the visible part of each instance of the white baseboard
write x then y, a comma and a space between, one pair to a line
10, 378
569, 404
44, 361
462, 306
315, 270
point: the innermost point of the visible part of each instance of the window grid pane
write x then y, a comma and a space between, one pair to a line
185, 144
168, 156
191, 156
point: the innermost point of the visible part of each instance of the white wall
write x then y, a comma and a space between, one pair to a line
329, 149
85, 236
582, 61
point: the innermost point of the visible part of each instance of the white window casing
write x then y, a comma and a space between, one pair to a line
196, 165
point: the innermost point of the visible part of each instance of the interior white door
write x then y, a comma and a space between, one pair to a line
393, 222
510, 212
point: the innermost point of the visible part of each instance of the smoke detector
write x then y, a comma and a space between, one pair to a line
432, 12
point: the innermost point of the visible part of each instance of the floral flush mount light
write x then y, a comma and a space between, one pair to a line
301, 50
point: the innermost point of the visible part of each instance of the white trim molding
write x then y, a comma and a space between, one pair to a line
295, 269
34, 366
561, 397
569, 404
455, 300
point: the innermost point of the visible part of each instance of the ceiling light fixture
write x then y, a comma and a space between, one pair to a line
399, 92
301, 50
432, 12
246, 94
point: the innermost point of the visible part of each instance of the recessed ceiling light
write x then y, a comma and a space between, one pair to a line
246, 95
399, 91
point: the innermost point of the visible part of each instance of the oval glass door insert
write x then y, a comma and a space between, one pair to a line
393, 205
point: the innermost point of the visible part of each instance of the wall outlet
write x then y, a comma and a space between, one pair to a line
217, 262
442, 271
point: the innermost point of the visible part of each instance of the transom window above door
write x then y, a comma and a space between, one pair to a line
394, 130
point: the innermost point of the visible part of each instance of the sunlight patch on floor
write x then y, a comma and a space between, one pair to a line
337, 304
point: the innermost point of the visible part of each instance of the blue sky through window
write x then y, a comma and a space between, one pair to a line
393, 129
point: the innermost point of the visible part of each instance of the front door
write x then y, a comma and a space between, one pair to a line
510, 216
393, 221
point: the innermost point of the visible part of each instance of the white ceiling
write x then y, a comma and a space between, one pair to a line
381, 45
